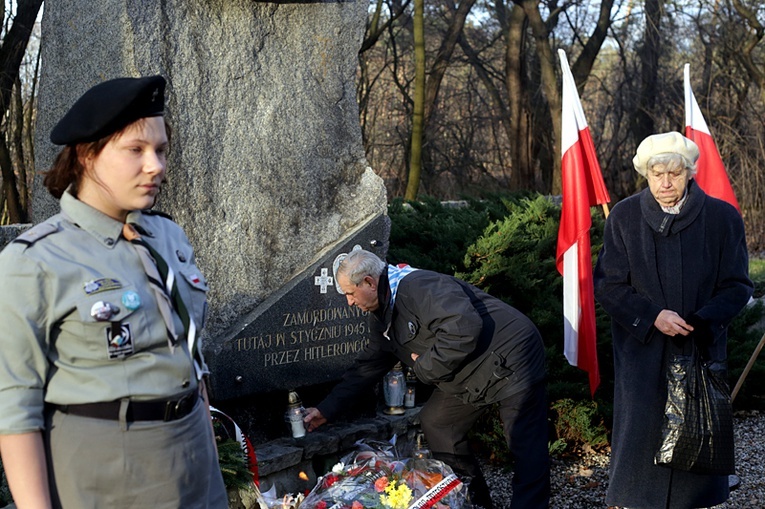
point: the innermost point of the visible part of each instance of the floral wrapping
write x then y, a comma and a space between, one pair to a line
375, 479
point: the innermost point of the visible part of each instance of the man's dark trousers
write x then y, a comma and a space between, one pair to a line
446, 421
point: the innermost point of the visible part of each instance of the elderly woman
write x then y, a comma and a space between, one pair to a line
673, 269
101, 389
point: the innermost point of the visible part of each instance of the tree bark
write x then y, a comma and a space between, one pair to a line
748, 45
643, 123
583, 65
549, 84
444, 56
418, 120
518, 99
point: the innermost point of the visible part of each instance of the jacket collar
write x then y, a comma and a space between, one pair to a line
384, 312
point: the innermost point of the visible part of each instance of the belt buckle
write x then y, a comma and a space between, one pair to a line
176, 409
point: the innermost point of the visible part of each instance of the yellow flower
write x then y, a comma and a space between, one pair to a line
397, 495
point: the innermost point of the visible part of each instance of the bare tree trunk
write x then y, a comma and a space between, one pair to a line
444, 56
30, 117
643, 122
14, 46
418, 115
16, 213
583, 66
374, 30
11, 54
518, 99
549, 83
14, 125
754, 36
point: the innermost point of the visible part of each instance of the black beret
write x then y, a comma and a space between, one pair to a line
109, 107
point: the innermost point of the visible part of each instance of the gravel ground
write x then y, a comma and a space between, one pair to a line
581, 483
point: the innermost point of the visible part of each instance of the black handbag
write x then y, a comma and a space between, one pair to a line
697, 432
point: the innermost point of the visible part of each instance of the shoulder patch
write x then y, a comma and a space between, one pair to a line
36, 233
152, 212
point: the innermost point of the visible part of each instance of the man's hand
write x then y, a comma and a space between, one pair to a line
313, 419
670, 323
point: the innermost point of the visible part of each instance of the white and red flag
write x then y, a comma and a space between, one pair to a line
710, 170
583, 187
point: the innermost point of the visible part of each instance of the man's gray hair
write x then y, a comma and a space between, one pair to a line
359, 264
672, 162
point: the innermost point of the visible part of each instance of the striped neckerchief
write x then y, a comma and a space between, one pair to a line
395, 274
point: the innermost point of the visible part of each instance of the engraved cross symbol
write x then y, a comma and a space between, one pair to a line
324, 280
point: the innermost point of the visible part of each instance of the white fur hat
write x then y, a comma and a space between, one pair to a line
665, 143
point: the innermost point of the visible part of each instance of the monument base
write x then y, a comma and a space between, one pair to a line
281, 462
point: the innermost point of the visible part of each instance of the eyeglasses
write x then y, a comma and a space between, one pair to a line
658, 176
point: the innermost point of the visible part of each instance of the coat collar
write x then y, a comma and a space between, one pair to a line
664, 223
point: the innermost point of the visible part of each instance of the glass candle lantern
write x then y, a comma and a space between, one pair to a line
294, 415
421, 450
409, 397
394, 388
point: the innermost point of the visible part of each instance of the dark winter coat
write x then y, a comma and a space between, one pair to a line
470, 344
694, 263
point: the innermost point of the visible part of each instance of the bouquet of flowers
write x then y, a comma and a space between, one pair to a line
376, 479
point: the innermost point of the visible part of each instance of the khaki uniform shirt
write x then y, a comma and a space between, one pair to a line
51, 347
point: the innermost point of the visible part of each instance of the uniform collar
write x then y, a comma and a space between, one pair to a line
105, 229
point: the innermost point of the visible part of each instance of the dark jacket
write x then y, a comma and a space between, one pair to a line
470, 344
694, 263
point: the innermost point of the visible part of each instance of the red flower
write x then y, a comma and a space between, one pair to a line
321, 505
357, 505
381, 484
330, 480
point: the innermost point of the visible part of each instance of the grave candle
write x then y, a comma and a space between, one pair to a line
294, 415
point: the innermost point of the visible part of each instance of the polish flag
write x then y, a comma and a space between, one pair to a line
583, 187
710, 170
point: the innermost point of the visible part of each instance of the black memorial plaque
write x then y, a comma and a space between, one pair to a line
304, 334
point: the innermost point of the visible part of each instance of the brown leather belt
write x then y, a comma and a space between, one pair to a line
164, 410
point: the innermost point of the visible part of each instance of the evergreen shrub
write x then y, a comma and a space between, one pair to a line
233, 465
579, 425
429, 235
744, 333
514, 260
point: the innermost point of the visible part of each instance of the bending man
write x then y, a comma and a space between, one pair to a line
473, 347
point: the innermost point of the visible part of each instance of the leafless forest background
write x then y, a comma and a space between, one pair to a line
483, 98
492, 92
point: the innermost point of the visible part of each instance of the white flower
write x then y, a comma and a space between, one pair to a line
338, 468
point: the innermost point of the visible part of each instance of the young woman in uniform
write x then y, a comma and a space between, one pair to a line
102, 401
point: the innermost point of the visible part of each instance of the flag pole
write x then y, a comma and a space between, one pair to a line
605, 209
748, 368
